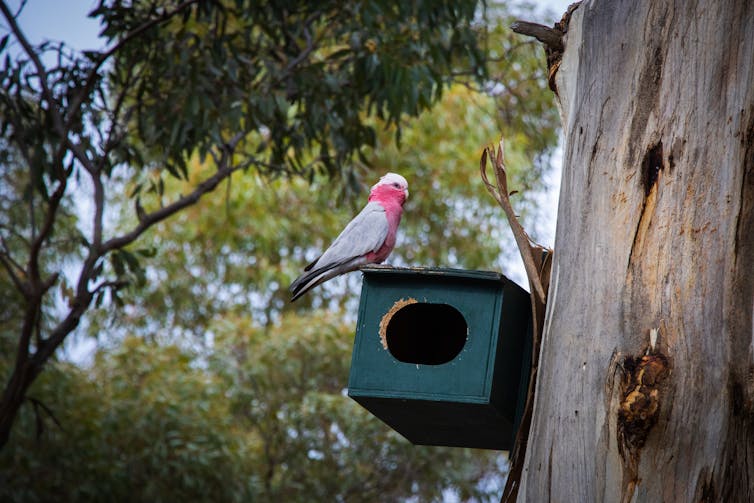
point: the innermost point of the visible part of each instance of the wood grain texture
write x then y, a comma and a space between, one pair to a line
655, 225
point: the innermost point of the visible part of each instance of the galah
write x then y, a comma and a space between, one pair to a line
367, 239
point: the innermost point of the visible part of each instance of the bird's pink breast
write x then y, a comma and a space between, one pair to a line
392, 200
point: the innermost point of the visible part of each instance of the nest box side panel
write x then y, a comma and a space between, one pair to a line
513, 359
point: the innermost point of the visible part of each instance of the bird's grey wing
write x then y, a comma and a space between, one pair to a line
365, 233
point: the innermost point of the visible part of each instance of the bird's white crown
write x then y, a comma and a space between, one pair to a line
391, 178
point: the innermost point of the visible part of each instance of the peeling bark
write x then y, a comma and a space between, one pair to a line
655, 227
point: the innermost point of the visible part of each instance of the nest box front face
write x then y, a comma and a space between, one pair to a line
441, 355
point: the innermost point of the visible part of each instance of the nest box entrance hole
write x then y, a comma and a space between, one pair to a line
426, 334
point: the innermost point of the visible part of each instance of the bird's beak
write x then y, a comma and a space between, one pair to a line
406, 191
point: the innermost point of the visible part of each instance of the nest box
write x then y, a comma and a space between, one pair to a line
443, 355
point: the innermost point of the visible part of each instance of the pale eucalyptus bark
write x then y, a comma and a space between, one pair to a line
655, 227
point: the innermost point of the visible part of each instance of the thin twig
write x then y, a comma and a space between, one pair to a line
21, 7
38, 403
114, 136
9, 256
12, 267
310, 45
117, 284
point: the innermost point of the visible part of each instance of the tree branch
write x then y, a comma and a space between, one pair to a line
114, 136
99, 208
30, 317
551, 37
20, 9
63, 126
44, 232
166, 211
310, 45
57, 335
84, 296
15, 271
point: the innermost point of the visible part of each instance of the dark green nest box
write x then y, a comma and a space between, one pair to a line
443, 355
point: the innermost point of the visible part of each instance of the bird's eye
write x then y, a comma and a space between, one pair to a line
397, 185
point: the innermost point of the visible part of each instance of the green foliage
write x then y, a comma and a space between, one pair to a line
300, 76
286, 385
19, 214
208, 384
143, 425
282, 87
240, 250
263, 418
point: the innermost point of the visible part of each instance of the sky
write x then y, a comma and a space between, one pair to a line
59, 20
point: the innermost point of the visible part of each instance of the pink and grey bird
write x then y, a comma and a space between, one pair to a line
367, 239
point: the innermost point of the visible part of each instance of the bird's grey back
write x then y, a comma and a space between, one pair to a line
365, 233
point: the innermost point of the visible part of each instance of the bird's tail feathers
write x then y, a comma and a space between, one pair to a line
312, 263
305, 278
310, 279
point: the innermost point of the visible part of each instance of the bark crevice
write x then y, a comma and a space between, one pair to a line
651, 166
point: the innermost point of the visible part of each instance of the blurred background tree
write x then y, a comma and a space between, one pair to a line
207, 384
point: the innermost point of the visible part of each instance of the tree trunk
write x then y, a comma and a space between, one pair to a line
655, 230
